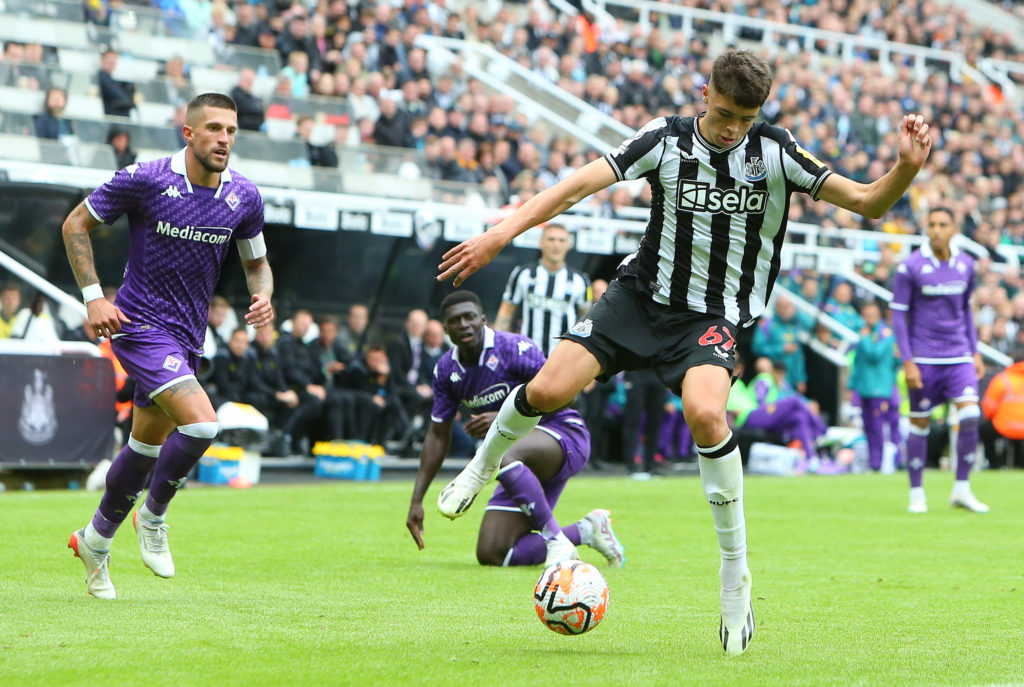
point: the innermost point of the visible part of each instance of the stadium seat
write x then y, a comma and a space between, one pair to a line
21, 100
142, 46
155, 114
24, 148
84, 107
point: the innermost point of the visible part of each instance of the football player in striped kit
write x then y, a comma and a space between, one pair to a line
721, 184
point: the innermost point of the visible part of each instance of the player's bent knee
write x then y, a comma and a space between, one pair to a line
200, 430
488, 555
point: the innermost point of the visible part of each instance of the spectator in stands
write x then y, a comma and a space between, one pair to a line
371, 375
298, 74
118, 96
392, 127
1003, 408
779, 339
178, 122
52, 123
233, 372
120, 139
250, 107
10, 306
176, 80
269, 393
319, 156
873, 379
346, 412
297, 39
247, 27
219, 318
840, 306
361, 105
353, 336
301, 369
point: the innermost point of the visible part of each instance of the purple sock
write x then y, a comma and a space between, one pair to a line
572, 532
530, 549
524, 488
917, 448
125, 481
966, 447
178, 456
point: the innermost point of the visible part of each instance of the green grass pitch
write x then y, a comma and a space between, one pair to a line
322, 585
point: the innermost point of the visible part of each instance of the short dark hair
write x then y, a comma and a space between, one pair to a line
458, 297
202, 100
743, 76
943, 208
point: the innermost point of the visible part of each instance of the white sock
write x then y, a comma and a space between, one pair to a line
917, 493
961, 488
722, 479
148, 515
586, 530
508, 427
96, 541
558, 537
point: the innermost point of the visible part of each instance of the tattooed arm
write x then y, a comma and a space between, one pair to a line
104, 317
260, 281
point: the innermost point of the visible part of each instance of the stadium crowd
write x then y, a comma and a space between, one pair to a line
336, 381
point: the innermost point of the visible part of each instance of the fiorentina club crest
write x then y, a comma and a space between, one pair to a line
492, 363
232, 201
38, 421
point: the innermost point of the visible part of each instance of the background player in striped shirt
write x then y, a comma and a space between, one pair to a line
706, 264
551, 294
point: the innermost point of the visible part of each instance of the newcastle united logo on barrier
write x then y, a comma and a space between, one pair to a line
38, 422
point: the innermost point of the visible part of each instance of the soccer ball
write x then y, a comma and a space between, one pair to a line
571, 597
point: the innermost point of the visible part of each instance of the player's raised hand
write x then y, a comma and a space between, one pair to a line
915, 140
469, 256
415, 523
105, 318
261, 312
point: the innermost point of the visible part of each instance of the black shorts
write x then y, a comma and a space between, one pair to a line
626, 330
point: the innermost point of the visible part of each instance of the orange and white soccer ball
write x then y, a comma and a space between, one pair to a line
571, 597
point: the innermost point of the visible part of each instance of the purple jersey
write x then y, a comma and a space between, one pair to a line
932, 319
179, 238
507, 360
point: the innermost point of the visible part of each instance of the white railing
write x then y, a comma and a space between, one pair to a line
777, 34
493, 69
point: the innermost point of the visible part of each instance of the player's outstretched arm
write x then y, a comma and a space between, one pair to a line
105, 318
260, 281
875, 198
435, 447
472, 254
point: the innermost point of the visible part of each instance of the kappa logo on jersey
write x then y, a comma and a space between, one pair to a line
754, 169
171, 192
132, 169
524, 346
492, 363
455, 377
697, 196
583, 328
171, 363
232, 201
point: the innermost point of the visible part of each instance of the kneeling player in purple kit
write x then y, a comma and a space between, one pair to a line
182, 213
934, 327
518, 527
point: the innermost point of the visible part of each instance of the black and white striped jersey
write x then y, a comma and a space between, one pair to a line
718, 216
548, 301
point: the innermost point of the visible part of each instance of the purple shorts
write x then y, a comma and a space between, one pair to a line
572, 435
155, 360
942, 384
